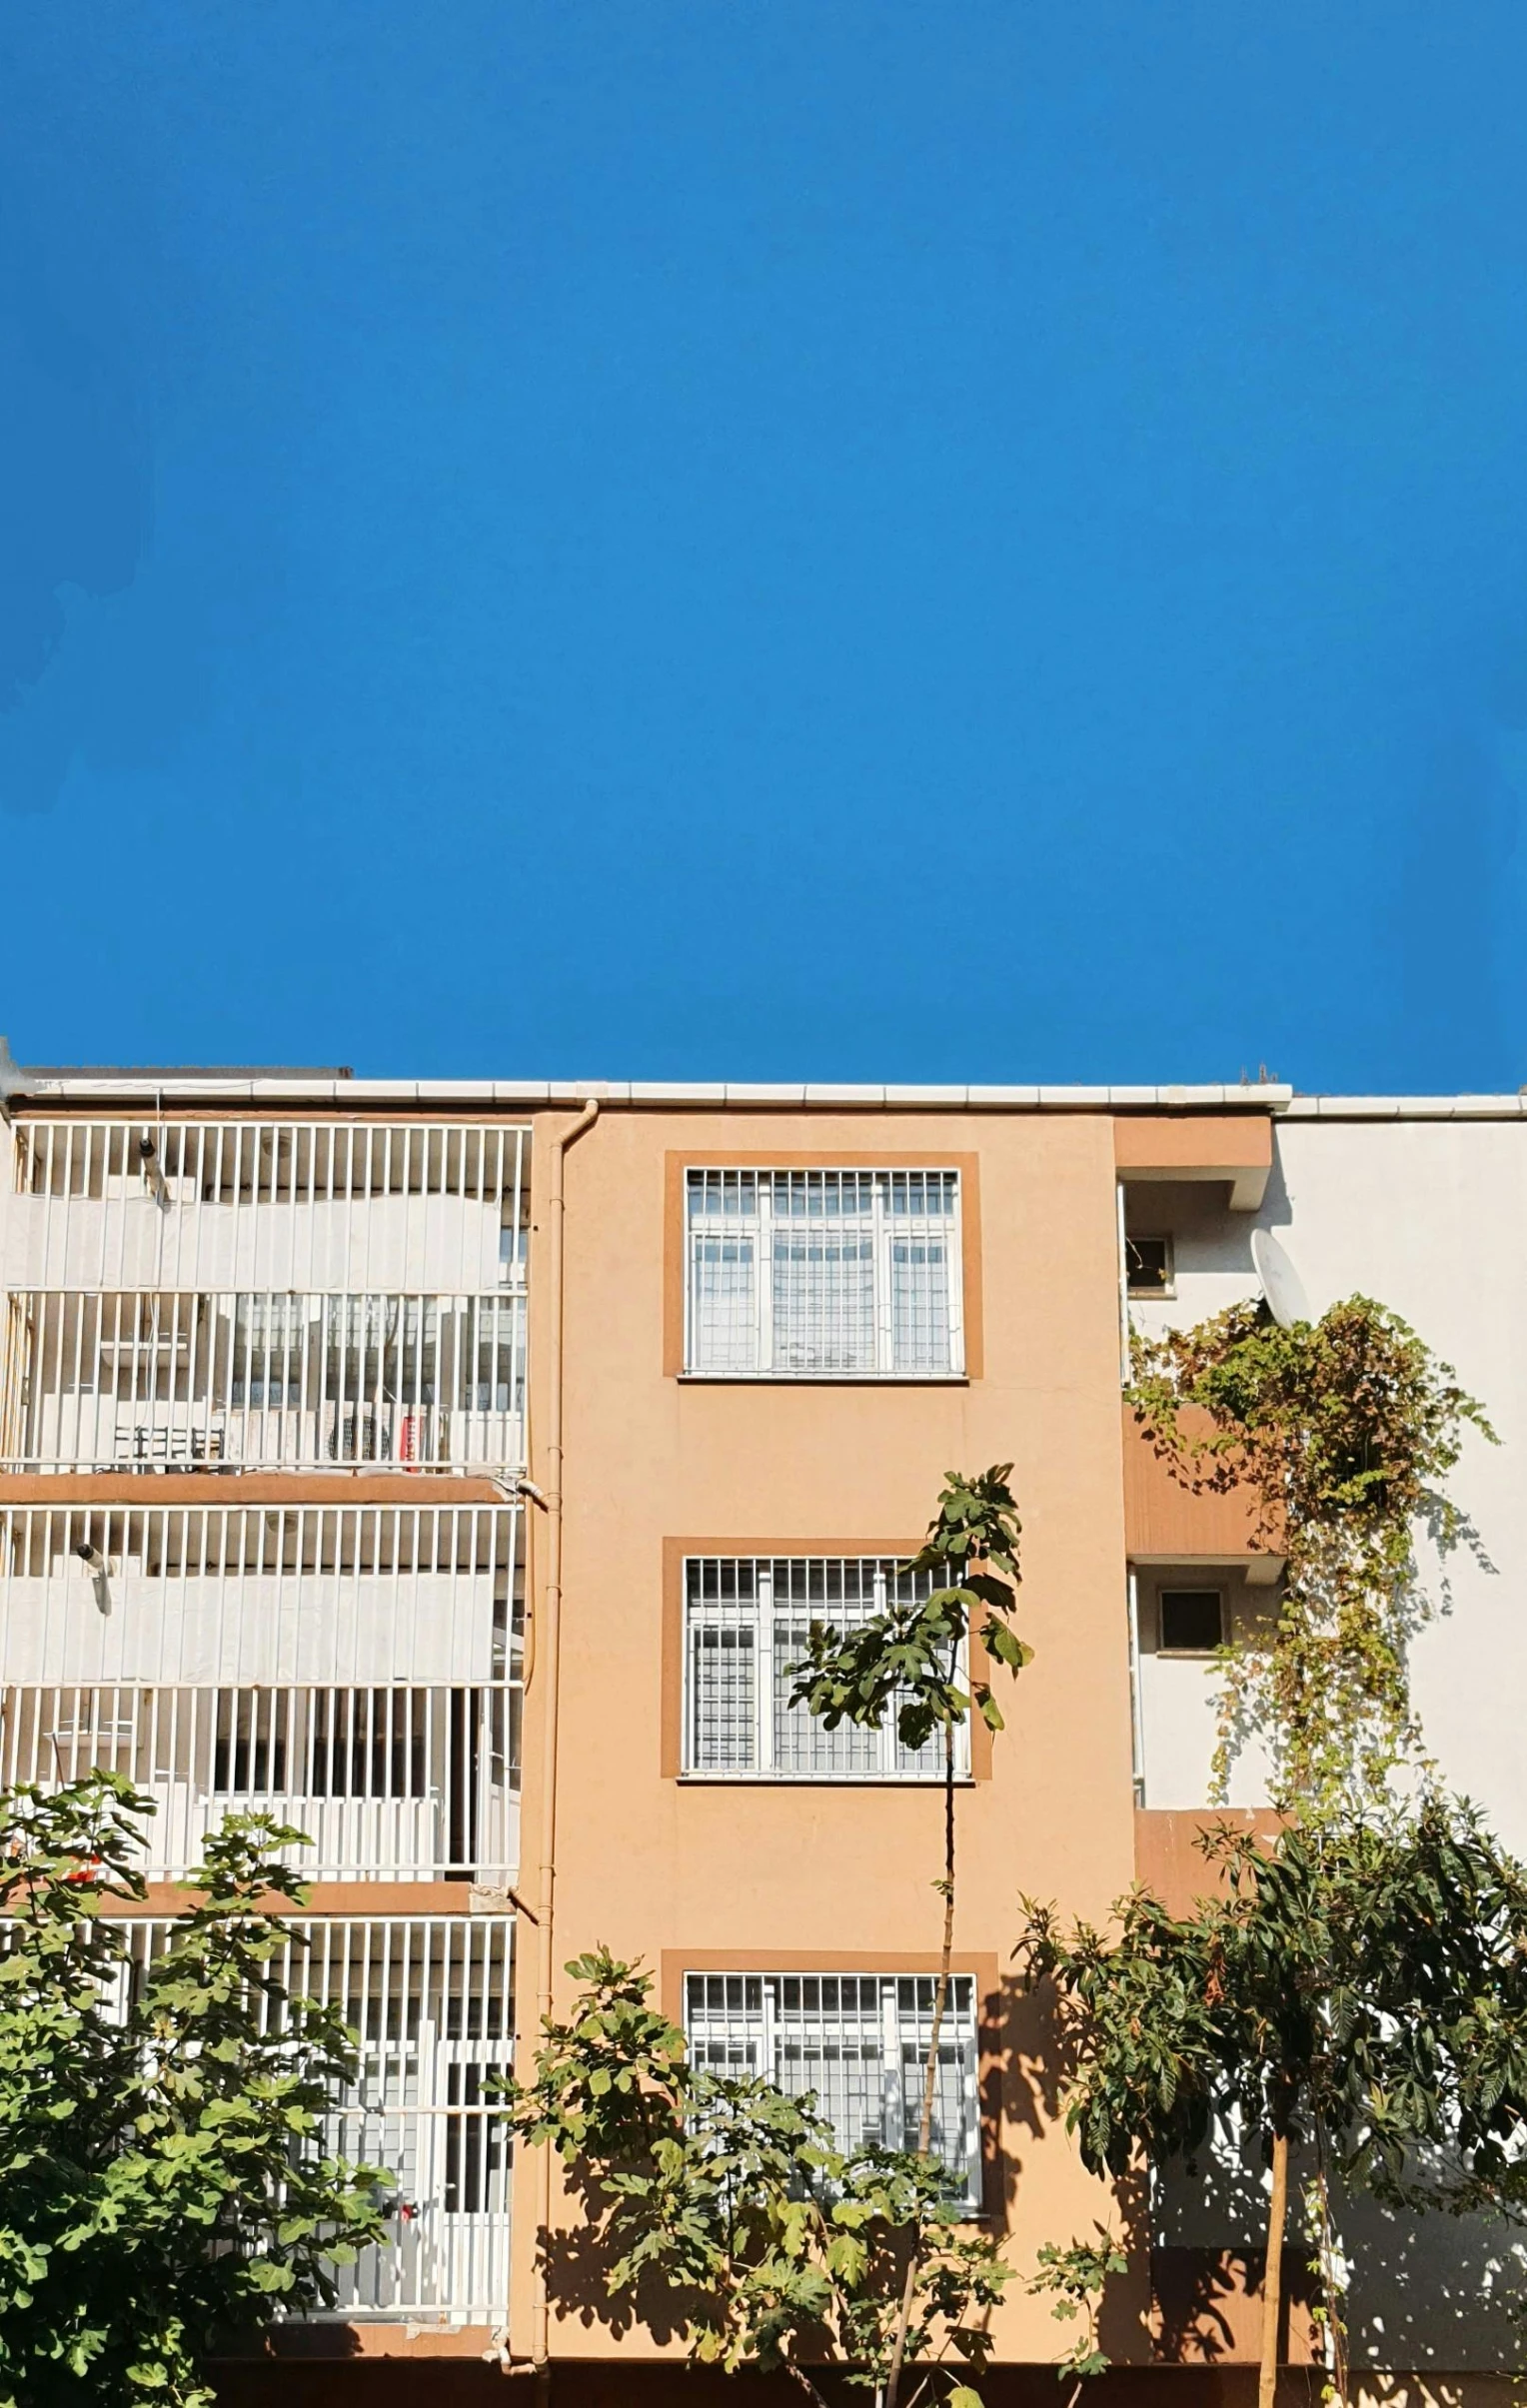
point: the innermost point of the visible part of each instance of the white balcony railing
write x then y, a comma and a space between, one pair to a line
388, 1784
171, 1378
430, 2000
245, 1597
209, 1206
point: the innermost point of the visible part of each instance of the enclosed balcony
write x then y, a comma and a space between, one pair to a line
353, 1671
289, 1379
430, 1998
198, 1206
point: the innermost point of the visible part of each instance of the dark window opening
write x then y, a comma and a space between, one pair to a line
1148, 1262
1192, 1621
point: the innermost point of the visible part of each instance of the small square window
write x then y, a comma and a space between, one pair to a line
1148, 1262
1192, 1621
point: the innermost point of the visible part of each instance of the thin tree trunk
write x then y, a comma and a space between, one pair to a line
1273, 2279
930, 2065
1335, 2324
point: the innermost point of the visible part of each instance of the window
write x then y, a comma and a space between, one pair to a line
746, 1621
859, 2041
1192, 1621
823, 1274
1149, 1261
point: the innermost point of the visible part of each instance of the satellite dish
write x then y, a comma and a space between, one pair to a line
1281, 1285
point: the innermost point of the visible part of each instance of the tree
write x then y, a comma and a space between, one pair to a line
913, 1661
1078, 2276
722, 2205
1359, 1989
1341, 1430
165, 2184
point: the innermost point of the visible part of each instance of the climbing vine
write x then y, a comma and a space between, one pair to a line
1342, 1429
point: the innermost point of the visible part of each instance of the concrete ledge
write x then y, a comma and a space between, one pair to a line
1165, 1523
141, 1490
1236, 1153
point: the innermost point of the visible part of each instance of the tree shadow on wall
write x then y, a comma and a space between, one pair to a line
1208, 2306
576, 2262
1029, 2064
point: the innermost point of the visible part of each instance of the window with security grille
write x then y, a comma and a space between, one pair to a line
823, 1274
747, 1622
860, 2042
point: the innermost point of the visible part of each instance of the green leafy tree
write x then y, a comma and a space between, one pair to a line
1341, 1429
912, 1663
165, 2184
720, 2205
1078, 2276
1359, 1989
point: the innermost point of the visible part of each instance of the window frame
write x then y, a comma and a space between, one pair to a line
1152, 1237
1180, 1654
903, 2048
766, 1614
882, 1170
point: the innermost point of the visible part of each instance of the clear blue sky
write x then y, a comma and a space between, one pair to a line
837, 539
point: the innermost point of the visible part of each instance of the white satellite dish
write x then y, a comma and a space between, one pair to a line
1281, 1285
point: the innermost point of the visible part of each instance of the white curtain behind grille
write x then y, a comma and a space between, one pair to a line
920, 1212
822, 1274
724, 1264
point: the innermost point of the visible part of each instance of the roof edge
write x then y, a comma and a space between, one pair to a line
638, 1095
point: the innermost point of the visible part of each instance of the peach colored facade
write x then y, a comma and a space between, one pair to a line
695, 1873
633, 1465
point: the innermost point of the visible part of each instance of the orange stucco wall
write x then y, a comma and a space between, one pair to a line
673, 1872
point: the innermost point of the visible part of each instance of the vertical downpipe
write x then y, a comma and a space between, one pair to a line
1137, 1709
547, 1667
1124, 1291
1137, 1715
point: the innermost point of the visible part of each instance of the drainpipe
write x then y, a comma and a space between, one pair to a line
546, 1668
1126, 1367
1136, 1707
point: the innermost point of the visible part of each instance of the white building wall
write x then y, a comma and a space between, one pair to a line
1427, 1216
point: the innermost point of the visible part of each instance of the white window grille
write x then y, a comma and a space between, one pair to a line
209, 1205
860, 2042
746, 1623
388, 1784
429, 2000
305, 1381
823, 1274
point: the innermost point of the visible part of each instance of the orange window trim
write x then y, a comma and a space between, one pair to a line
675, 1165
675, 1552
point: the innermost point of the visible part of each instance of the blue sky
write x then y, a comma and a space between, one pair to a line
835, 538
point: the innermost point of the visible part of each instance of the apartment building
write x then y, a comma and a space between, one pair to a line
454, 1468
